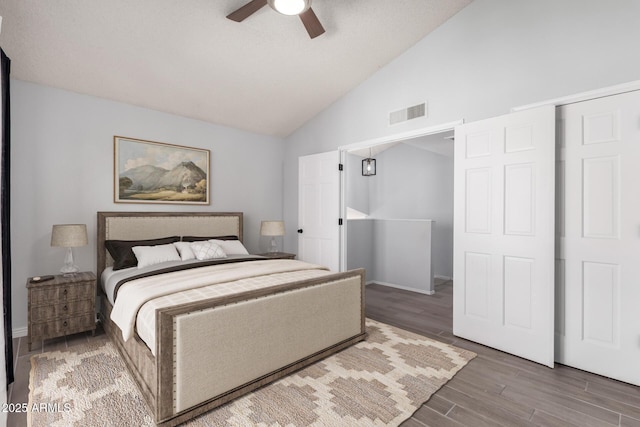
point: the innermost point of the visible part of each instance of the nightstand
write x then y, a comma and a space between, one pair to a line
278, 255
61, 306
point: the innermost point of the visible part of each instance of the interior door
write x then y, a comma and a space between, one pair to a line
319, 209
599, 236
504, 233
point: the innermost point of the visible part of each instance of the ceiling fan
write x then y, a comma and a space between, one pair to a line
302, 8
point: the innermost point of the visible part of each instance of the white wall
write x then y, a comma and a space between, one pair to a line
491, 56
62, 172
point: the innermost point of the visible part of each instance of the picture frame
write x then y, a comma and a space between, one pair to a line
156, 172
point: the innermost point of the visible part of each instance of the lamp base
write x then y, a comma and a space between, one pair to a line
69, 268
273, 247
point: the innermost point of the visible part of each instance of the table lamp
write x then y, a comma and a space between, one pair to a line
69, 236
273, 229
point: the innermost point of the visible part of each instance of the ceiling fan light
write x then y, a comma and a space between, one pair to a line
290, 7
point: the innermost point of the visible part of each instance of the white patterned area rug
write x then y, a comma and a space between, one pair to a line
380, 381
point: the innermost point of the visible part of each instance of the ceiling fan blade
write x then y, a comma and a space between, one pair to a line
247, 10
311, 23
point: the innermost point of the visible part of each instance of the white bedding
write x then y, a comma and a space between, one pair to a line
110, 277
138, 299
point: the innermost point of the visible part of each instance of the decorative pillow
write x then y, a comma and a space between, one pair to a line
123, 256
184, 249
231, 247
207, 250
201, 238
151, 255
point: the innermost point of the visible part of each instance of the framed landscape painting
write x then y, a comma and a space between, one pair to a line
154, 172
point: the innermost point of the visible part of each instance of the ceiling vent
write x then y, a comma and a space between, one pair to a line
408, 113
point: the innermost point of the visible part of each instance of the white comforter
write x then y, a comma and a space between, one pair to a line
135, 293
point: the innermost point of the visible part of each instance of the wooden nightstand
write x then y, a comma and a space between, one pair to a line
61, 306
278, 255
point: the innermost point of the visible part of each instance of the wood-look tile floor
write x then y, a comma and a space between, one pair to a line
498, 389
494, 389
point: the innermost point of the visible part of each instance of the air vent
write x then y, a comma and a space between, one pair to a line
408, 113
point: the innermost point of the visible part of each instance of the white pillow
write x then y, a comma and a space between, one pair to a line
151, 255
207, 250
184, 249
231, 247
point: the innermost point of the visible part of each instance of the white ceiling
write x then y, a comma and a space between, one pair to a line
263, 75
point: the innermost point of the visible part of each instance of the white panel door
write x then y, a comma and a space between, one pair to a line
598, 325
319, 209
504, 233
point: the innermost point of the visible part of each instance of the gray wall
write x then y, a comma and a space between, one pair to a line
395, 252
357, 186
360, 246
62, 172
491, 56
410, 183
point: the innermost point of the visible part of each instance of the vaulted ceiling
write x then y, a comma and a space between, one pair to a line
263, 75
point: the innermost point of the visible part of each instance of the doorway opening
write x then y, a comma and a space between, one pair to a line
399, 222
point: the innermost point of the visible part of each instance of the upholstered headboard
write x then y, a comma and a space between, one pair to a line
151, 225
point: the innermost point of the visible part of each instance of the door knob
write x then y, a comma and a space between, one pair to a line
300, 230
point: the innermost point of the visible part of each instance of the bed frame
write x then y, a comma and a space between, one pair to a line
260, 336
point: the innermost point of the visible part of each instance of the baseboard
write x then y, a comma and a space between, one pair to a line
443, 277
20, 332
404, 288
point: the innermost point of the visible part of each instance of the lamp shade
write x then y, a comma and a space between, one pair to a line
272, 228
69, 235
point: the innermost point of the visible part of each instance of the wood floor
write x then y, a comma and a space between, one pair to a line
494, 389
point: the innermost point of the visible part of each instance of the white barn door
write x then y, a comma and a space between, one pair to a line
319, 209
504, 233
598, 325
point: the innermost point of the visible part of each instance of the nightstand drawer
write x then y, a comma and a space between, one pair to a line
45, 313
62, 293
64, 326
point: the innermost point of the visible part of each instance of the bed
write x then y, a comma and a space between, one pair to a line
255, 327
